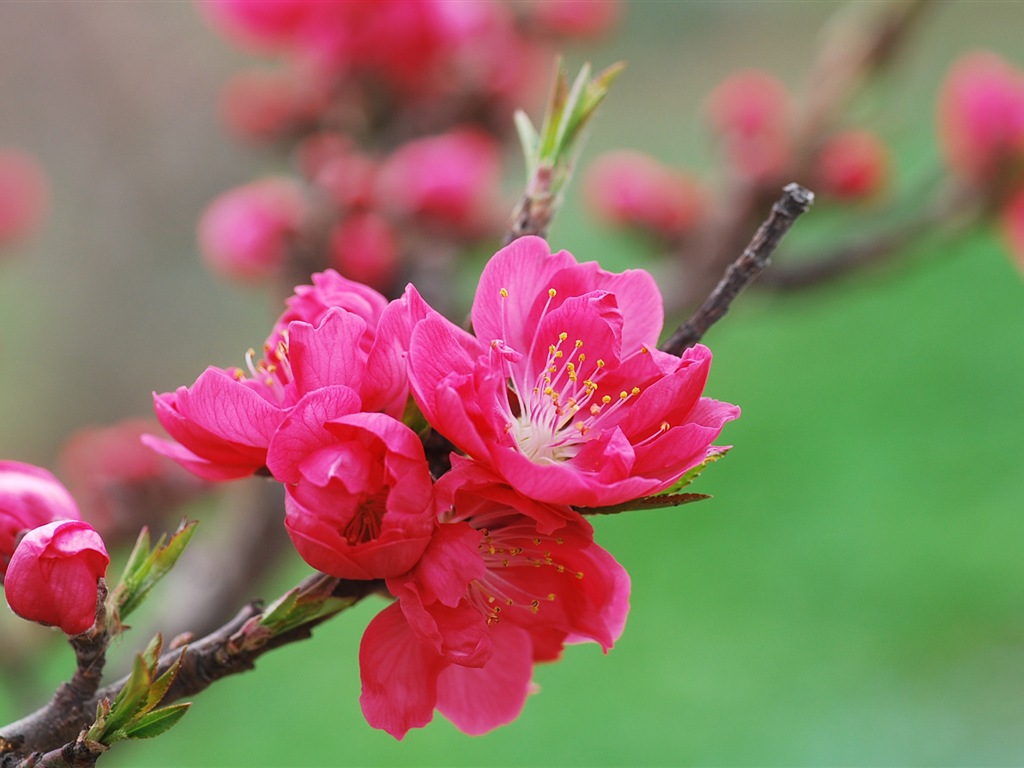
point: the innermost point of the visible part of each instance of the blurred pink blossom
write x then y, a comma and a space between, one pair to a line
244, 233
30, 496
24, 195
629, 188
852, 165
751, 112
981, 117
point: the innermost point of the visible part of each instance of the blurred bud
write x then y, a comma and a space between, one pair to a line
330, 161
364, 248
981, 117
244, 233
751, 111
1011, 221
29, 497
449, 180
261, 105
628, 188
852, 165
24, 195
53, 575
576, 18
122, 484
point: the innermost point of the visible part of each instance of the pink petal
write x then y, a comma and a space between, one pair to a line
478, 700
303, 431
328, 354
399, 675
524, 269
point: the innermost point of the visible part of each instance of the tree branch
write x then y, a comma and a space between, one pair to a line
795, 200
229, 650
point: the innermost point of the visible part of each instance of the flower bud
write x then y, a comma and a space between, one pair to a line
449, 180
53, 575
23, 195
244, 233
981, 116
852, 165
29, 497
750, 110
628, 188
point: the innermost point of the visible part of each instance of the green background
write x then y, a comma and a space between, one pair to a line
854, 593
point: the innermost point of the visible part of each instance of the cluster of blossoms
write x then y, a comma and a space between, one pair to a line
50, 559
559, 399
751, 114
395, 114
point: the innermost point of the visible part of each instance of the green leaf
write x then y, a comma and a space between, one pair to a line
529, 139
714, 455
147, 571
129, 700
156, 722
158, 689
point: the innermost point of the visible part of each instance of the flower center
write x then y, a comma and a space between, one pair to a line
274, 371
553, 409
508, 549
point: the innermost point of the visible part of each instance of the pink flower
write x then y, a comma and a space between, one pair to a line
563, 391
750, 110
358, 487
981, 116
506, 582
629, 188
29, 497
224, 422
449, 180
244, 233
53, 575
852, 165
24, 195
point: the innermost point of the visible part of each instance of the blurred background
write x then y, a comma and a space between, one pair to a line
854, 593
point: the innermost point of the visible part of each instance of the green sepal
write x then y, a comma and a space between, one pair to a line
156, 721
302, 605
715, 452
647, 502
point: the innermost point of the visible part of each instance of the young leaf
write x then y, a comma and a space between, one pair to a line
156, 722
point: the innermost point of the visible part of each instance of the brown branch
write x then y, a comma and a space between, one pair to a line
954, 208
229, 650
795, 200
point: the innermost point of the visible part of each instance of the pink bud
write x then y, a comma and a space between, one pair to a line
449, 180
1011, 221
244, 233
330, 161
629, 188
751, 112
52, 577
24, 195
29, 497
852, 165
364, 248
981, 115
